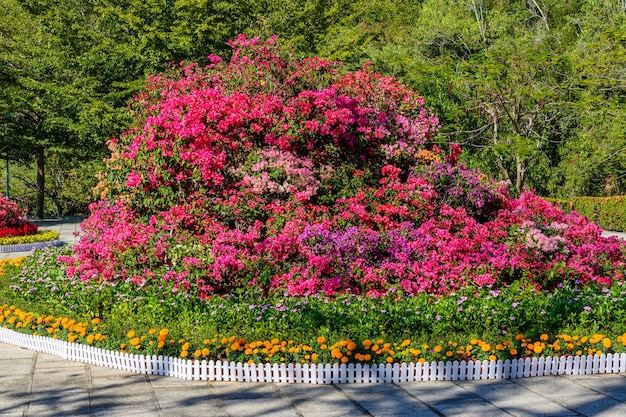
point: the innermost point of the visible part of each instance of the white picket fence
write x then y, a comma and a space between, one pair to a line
319, 374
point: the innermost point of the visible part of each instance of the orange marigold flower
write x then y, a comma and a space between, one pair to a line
543, 337
321, 340
351, 345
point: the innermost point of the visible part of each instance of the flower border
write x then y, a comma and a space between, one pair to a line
319, 374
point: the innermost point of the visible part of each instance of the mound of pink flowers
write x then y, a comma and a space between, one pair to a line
281, 175
12, 220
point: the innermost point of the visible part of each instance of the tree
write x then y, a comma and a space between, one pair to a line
69, 67
594, 161
41, 94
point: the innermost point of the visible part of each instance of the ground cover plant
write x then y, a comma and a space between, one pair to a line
268, 208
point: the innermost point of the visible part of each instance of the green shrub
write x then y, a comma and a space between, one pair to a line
607, 212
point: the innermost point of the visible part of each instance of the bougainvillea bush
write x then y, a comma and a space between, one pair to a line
12, 220
275, 175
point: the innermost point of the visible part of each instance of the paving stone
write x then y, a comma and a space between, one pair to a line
17, 367
187, 397
259, 407
248, 390
610, 385
515, 399
14, 401
470, 409
9, 352
553, 386
115, 410
318, 400
386, 401
438, 392
59, 402
594, 405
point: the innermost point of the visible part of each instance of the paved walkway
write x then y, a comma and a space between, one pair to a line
37, 384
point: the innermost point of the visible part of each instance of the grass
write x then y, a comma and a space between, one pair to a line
508, 322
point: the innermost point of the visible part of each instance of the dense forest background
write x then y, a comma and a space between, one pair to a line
533, 90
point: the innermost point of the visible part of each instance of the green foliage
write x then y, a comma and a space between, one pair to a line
68, 188
42, 286
608, 212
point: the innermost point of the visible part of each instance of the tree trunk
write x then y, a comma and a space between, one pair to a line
41, 184
520, 171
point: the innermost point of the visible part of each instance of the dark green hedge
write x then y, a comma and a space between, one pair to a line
607, 212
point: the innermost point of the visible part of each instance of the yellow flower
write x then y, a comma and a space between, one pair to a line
131, 334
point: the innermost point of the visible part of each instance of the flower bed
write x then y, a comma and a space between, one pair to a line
38, 240
274, 210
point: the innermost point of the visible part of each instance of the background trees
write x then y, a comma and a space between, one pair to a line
533, 89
